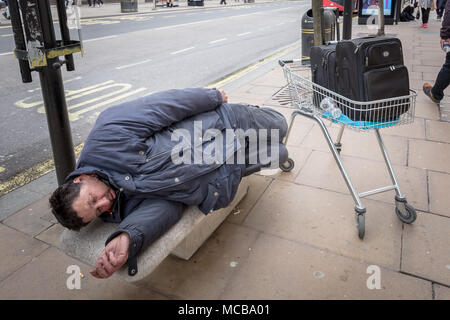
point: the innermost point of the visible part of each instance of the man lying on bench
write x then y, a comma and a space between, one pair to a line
145, 160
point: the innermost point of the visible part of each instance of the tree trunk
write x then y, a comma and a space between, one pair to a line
317, 20
380, 18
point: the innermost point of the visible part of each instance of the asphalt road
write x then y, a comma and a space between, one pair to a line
128, 57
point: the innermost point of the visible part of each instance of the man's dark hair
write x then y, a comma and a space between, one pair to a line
61, 203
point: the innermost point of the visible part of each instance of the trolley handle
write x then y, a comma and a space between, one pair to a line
283, 62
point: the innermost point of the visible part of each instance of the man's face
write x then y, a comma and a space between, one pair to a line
94, 199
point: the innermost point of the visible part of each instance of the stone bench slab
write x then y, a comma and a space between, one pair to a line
182, 239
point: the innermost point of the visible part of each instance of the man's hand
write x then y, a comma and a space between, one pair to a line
224, 96
444, 41
112, 257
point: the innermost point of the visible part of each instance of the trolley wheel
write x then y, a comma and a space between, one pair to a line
288, 165
361, 225
407, 214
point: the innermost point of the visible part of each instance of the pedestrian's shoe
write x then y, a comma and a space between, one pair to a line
427, 90
425, 25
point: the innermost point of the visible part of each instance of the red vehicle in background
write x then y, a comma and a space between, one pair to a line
340, 4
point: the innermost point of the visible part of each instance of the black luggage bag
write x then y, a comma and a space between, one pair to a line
371, 69
323, 66
323, 70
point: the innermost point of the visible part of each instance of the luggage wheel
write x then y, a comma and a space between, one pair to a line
288, 165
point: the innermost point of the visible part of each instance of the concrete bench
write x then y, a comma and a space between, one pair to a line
182, 240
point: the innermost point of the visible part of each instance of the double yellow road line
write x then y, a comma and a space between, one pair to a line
32, 173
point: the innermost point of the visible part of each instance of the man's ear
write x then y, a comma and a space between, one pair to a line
79, 179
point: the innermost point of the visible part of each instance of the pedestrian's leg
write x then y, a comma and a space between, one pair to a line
425, 16
442, 80
439, 9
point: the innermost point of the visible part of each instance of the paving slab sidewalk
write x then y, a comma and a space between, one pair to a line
294, 235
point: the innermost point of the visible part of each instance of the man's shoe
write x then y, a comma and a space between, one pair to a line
427, 90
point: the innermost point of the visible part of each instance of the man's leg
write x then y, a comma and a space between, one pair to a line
251, 118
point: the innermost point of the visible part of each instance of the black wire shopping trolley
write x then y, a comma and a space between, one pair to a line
318, 103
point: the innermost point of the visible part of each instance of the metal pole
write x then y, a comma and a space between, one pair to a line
347, 28
19, 39
54, 101
65, 34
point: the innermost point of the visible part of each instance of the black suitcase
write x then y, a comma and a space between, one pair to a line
371, 69
323, 66
323, 70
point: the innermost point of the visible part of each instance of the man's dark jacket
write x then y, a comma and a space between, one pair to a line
445, 30
130, 148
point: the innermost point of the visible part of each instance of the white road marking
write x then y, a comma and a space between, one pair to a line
102, 38
133, 64
218, 40
244, 15
280, 24
182, 25
243, 34
5, 53
182, 50
7, 35
169, 16
209, 20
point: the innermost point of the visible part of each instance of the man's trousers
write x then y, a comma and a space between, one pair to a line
265, 123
